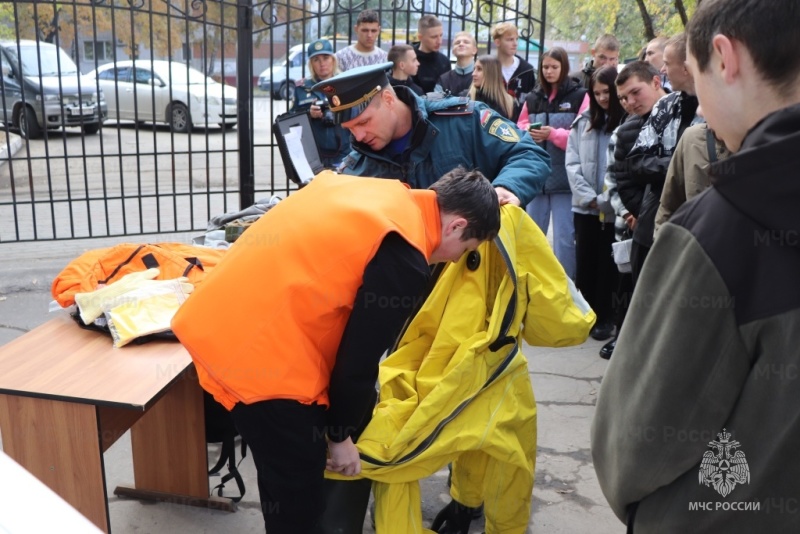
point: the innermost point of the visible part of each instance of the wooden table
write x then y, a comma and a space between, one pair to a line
66, 395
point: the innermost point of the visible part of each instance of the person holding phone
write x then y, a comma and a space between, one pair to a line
547, 115
332, 141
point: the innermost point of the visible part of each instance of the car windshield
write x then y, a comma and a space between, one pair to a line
182, 74
44, 61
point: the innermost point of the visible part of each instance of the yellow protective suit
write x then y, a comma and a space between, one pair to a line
456, 388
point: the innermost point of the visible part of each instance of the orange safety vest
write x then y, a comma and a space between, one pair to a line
267, 322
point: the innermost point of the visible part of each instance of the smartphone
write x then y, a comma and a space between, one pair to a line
535, 126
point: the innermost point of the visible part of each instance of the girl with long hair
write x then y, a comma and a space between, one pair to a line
488, 87
548, 113
586, 161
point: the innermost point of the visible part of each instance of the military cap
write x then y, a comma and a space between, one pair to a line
350, 92
320, 46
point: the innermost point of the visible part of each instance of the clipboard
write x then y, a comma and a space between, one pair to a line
285, 129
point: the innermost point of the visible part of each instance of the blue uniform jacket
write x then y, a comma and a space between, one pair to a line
333, 141
451, 132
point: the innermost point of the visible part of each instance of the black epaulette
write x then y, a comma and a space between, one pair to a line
460, 106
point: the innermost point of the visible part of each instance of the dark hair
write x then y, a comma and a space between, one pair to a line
598, 117
470, 195
640, 69
560, 55
397, 53
368, 15
767, 28
678, 44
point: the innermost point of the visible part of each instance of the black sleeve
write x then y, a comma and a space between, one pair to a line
394, 282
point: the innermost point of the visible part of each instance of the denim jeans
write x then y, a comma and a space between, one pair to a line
560, 205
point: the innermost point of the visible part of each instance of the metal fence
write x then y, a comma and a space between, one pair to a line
111, 131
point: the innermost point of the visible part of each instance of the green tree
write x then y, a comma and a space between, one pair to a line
634, 22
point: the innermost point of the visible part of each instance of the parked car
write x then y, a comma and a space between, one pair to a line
166, 91
274, 79
43, 89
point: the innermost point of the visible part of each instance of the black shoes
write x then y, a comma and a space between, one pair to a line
602, 331
608, 349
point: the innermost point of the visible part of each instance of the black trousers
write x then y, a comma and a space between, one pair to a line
638, 255
287, 440
596, 274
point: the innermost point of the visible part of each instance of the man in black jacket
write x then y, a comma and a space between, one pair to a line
604, 52
639, 88
432, 63
649, 159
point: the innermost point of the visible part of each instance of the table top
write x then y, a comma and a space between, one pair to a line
60, 360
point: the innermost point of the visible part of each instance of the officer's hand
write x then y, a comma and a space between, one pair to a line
506, 197
343, 458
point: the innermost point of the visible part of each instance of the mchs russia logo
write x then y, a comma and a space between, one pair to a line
723, 466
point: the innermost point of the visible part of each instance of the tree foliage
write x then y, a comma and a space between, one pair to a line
634, 22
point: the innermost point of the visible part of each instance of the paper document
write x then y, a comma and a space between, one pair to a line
294, 144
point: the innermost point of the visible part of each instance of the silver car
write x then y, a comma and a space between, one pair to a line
165, 91
41, 89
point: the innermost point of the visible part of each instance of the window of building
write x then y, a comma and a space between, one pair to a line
98, 50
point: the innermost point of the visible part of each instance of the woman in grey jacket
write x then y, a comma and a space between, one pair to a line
587, 146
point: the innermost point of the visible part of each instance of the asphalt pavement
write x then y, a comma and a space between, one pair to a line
566, 497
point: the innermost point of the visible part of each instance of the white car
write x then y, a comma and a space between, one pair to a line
165, 91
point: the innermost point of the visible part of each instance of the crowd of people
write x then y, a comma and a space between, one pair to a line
702, 327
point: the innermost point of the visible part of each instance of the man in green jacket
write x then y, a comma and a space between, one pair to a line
698, 416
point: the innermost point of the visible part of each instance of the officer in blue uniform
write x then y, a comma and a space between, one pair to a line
333, 141
397, 134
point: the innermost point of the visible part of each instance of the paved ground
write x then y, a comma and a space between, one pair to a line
566, 498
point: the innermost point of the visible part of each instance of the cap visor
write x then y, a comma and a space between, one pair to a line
346, 115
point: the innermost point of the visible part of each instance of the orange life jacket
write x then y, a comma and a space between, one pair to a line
267, 323
107, 265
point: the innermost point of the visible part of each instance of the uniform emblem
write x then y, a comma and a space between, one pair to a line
724, 468
329, 89
318, 46
499, 128
486, 114
335, 101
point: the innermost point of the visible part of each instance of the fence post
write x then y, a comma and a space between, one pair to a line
244, 76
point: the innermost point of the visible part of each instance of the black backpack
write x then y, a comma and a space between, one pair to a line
220, 429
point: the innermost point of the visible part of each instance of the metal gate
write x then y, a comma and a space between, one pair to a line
110, 130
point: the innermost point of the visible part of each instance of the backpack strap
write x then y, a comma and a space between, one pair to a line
228, 454
711, 144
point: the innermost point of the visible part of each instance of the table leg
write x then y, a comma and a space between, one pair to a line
170, 461
59, 443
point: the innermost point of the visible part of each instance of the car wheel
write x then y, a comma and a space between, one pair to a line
28, 125
284, 91
91, 129
179, 119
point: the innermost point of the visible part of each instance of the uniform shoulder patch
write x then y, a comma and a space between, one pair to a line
502, 130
